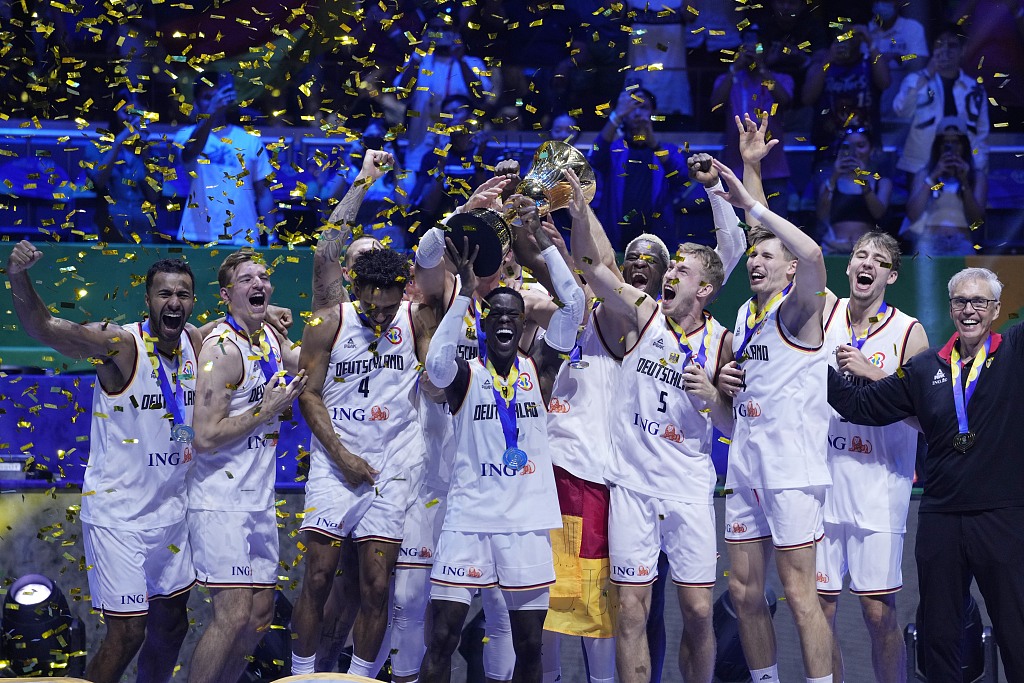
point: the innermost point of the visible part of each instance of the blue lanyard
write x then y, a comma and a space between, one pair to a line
174, 400
267, 360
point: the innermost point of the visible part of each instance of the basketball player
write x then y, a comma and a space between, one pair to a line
502, 500
362, 359
872, 468
777, 469
242, 393
662, 478
133, 510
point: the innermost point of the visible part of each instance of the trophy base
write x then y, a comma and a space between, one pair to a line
487, 230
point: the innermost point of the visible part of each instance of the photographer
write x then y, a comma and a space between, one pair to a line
948, 196
855, 197
439, 68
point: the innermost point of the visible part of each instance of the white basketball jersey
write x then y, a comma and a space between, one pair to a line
579, 417
782, 413
136, 474
662, 439
435, 420
485, 495
369, 394
872, 467
239, 475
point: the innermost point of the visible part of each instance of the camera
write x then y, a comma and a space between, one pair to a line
846, 149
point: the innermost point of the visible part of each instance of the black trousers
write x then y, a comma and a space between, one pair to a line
952, 549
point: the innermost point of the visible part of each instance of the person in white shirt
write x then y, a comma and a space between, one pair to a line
229, 197
134, 497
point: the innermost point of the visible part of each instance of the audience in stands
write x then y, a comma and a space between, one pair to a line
117, 164
902, 43
751, 87
657, 54
711, 38
994, 53
844, 85
947, 200
855, 198
639, 177
939, 90
436, 70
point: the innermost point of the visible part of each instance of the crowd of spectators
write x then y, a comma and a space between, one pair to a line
446, 86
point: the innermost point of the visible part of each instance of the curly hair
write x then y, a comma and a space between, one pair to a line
382, 268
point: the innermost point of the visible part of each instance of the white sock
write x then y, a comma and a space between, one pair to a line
823, 679
302, 665
361, 667
769, 674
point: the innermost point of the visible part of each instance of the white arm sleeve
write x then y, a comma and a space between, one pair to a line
565, 322
431, 249
443, 349
731, 240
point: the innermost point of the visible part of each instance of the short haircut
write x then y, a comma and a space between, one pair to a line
949, 30
169, 265
659, 246
884, 241
759, 233
380, 269
227, 267
506, 290
968, 274
710, 263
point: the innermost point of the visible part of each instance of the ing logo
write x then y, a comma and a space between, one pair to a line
557, 406
379, 414
474, 573
672, 434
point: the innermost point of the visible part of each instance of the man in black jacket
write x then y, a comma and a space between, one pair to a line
971, 522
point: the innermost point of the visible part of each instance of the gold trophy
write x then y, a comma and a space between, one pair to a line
546, 184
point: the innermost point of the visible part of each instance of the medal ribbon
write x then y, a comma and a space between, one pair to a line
962, 393
266, 358
174, 401
701, 356
505, 401
856, 340
755, 320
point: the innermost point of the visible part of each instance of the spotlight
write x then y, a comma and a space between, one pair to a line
39, 635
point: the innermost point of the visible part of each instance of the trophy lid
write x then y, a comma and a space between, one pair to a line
486, 229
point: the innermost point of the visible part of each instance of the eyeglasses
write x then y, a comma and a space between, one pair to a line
958, 303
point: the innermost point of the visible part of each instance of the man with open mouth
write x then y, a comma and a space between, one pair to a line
872, 468
777, 466
971, 518
134, 500
661, 474
242, 393
502, 502
362, 358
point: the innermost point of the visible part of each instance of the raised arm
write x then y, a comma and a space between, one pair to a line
622, 300
802, 310
328, 281
754, 146
110, 343
446, 370
732, 243
314, 360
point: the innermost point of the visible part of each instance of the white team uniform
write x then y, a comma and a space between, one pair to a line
579, 424
777, 467
663, 480
496, 527
369, 392
232, 518
872, 473
133, 512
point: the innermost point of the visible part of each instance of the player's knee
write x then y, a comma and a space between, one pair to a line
128, 633
878, 615
696, 611
442, 639
745, 596
633, 611
373, 590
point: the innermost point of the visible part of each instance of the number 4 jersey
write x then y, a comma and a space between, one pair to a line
369, 394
